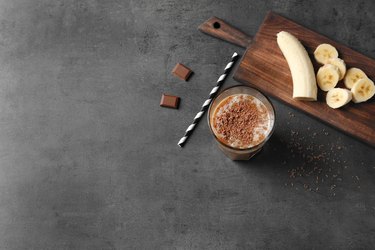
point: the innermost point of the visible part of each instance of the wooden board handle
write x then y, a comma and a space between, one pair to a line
222, 30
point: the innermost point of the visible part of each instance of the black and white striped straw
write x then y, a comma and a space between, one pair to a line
205, 105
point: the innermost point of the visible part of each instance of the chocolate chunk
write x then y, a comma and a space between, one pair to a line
170, 101
181, 71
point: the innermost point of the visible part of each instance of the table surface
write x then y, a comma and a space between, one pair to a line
88, 158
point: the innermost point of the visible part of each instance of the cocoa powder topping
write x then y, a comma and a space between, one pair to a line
241, 121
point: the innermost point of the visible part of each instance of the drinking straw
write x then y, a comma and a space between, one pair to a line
206, 104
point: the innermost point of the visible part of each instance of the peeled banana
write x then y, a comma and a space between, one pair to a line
338, 97
363, 90
327, 77
304, 81
352, 76
324, 52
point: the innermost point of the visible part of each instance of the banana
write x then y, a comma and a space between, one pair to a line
324, 52
304, 81
352, 76
363, 90
327, 77
340, 64
338, 97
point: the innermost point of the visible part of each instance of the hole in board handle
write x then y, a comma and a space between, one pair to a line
216, 25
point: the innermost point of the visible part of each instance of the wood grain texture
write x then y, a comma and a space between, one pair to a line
218, 28
264, 67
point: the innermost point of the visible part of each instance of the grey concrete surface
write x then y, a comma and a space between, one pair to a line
88, 159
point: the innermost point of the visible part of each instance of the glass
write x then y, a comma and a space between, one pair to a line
247, 153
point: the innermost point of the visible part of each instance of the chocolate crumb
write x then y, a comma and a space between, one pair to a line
241, 122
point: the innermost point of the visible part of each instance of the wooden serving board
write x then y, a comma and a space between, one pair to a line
264, 67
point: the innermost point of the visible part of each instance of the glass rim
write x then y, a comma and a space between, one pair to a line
242, 149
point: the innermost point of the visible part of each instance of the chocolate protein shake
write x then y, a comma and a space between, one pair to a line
242, 120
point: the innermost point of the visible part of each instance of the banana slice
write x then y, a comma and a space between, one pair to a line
324, 52
327, 77
352, 76
338, 97
363, 90
340, 64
